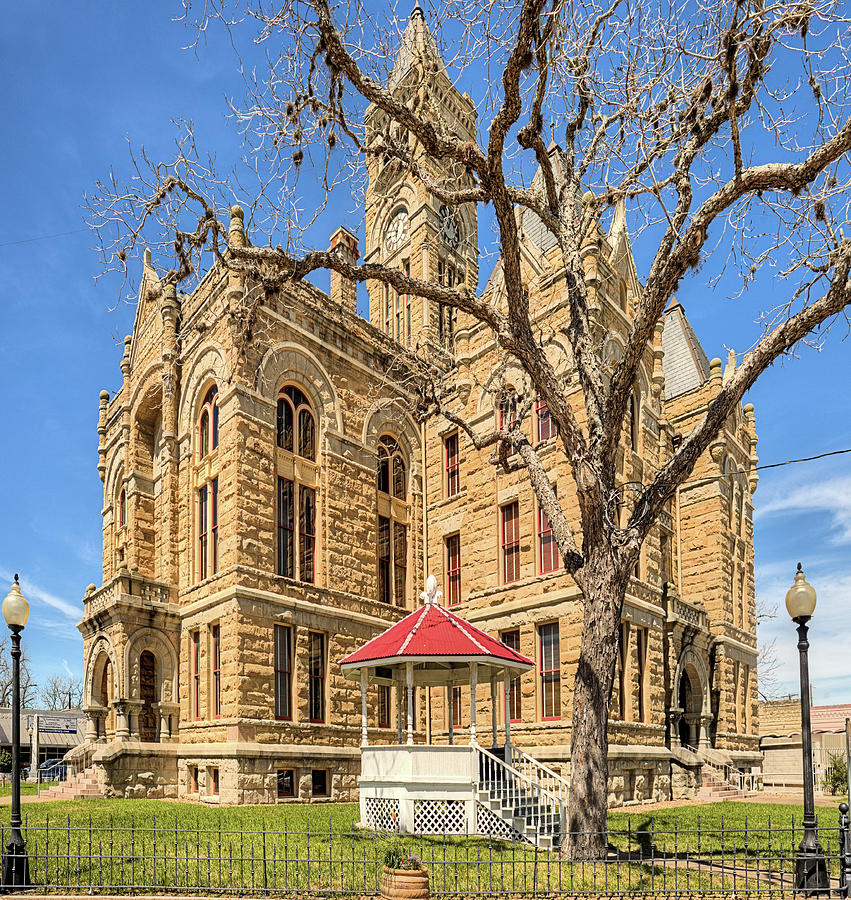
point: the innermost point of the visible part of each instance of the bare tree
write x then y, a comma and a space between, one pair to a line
708, 121
29, 689
767, 662
62, 692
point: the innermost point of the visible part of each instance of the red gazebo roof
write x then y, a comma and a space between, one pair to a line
430, 634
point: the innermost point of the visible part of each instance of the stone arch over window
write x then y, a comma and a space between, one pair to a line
290, 364
101, 661
511, 378
392, 470
207, 370
151, 640
388, 416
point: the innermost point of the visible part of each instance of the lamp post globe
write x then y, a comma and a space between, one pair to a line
16, 867
810, 865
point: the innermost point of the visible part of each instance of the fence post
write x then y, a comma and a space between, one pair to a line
844, 851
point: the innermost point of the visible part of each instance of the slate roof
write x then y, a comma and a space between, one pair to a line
685, 363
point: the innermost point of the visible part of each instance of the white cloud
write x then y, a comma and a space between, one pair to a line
831, 496
35, 593
830, 629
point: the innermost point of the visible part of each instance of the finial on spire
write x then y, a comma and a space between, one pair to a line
431, 595
417, 10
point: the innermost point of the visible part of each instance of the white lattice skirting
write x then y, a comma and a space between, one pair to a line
488, 823
439, 817
382, 813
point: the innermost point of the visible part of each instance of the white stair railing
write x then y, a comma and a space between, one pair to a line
538, 772
730, 775
522, 795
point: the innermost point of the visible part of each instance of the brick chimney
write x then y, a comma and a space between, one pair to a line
344, 290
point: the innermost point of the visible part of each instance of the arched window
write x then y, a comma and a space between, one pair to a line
391, 468
392, 487
296, 427
296, 487
207, 490
122, 507
208, 423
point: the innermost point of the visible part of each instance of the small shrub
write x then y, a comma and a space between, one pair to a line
835, 780
5, 761
396, 857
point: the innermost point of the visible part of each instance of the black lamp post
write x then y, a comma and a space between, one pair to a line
16, 866
810, 866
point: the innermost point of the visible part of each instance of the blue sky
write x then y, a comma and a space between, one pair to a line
83, 79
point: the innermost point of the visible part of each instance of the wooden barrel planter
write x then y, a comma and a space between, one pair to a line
404, 884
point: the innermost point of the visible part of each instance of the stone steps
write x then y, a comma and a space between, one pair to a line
77, 787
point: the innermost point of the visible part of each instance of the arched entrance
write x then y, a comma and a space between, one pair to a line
686, 703
105, 694
693, 707
148, 696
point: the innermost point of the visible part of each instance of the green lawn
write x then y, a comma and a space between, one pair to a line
156, 844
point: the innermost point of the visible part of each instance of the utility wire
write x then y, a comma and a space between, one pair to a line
42, 237
777, 465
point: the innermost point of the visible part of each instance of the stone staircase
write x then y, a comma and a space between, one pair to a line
715, 788
77, 787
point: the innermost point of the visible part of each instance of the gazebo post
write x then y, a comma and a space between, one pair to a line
507, 681
493, 709
399, 709
450, 696
474, 679
364, 738
409, 671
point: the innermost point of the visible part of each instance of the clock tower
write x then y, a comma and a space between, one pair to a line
406, 225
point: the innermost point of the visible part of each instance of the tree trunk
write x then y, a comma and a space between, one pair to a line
603, 590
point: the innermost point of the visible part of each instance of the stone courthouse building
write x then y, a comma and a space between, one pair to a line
271, 504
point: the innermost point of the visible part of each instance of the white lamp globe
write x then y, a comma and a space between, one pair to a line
16, 610
801, 597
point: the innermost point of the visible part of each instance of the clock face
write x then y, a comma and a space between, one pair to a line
397, 231
450, 230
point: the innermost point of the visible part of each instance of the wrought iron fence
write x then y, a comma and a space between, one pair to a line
157, 855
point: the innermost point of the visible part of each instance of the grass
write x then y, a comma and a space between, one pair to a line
158, 844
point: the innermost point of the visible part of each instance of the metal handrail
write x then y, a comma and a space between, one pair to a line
730, 775
516, 784
556, 784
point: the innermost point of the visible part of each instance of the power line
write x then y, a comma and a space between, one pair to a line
777, 465
42, 237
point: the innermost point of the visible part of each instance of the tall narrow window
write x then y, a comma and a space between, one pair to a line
388, 319
550, 671
408, 330
453, 569
633, 420
384, 559
122, 508
214, 526
546, 423
400, 562
623, 662
548, 555
216, 650
383, 705
512, 639
456, 707
510, 517
641, 673
208, 423
196, 673
507, 409
286, 528
283, 672
202, 532
316, 673
453, 468
391, 481
306, 533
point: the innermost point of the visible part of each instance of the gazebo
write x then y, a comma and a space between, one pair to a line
446, 788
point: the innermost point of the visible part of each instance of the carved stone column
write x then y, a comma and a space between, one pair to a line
168, 715
134, 707
705, 742
674, 716
91, 714
122, 725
